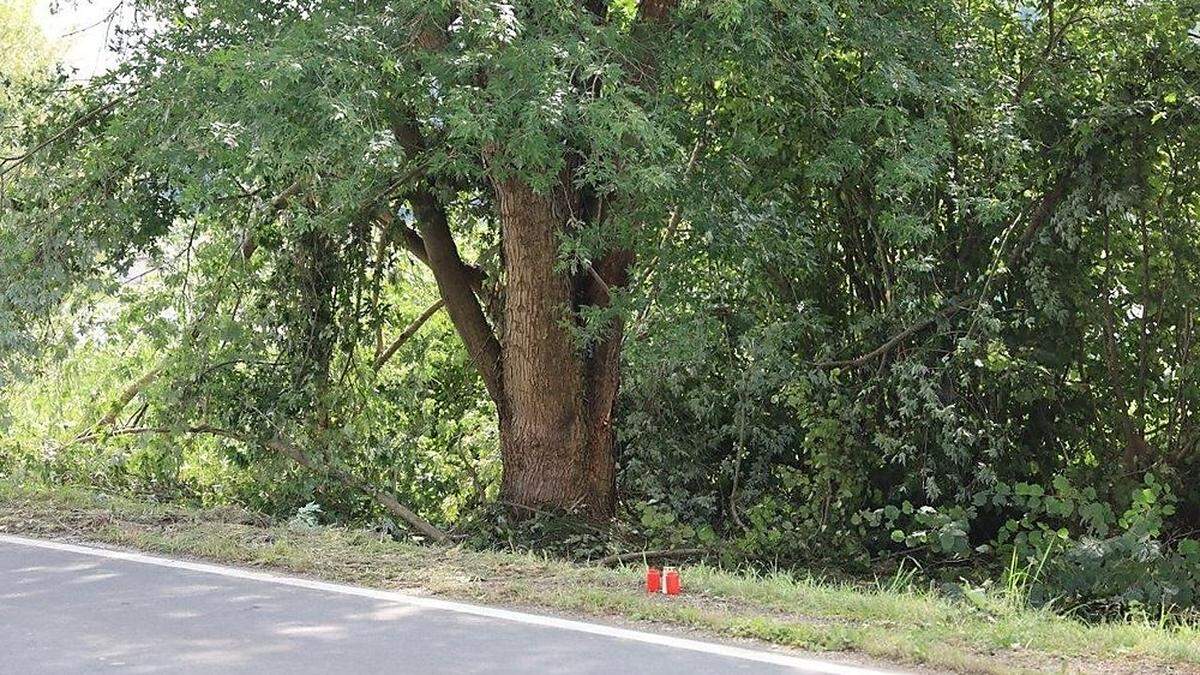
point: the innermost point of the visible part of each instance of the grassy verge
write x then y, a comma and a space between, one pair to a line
889, 623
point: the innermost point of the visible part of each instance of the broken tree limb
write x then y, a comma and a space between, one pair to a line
385, 355
127, 394
645, 555
115, 408
285, 447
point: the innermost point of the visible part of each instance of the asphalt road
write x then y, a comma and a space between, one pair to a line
69, 609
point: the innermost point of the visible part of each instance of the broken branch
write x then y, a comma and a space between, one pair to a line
645, 555
288, 449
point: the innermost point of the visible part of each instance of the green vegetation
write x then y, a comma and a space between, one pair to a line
893, 618
25, 68
28, 56
881, 288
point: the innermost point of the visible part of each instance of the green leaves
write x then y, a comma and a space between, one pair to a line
997, 211
911, 278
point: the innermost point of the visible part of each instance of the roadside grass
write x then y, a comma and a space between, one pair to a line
891, 621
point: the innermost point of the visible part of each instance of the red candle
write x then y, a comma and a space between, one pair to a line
672, 582
653, 580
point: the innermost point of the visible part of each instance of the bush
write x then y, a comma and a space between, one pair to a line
1131, 573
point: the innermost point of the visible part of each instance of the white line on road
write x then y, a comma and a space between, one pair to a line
811, 665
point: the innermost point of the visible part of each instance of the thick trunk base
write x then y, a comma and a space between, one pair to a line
559, 471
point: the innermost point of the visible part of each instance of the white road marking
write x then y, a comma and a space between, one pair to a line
811, 665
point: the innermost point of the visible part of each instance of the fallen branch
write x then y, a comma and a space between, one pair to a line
643, 555
135, 431
288, 449
127, 395
114, 409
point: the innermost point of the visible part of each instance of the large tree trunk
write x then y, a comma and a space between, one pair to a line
556, 411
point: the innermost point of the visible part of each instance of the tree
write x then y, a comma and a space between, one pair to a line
968, 269
555, 401
28, 55
539, 134
25, 75
26, 63
877, 230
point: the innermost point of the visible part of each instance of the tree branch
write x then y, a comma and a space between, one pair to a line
455, 287
893, 341
642, 555
288, 449
1040, 218
128, 394
453, 280
413, 243
18, 160
386, 354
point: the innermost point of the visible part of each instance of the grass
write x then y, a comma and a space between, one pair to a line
892, 621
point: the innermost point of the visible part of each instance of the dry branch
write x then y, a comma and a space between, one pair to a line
645, 555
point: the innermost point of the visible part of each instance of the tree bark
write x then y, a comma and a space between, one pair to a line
604, 385
555, 403
546, 427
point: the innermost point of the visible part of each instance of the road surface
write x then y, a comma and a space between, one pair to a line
74, 609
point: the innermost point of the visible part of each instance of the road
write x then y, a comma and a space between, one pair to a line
75, 609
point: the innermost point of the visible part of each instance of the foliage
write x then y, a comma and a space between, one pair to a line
912, 280
28, 57
933, 311
1126, 574
423, 431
